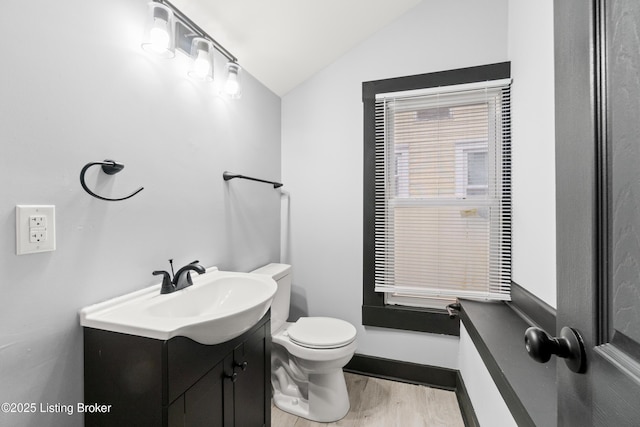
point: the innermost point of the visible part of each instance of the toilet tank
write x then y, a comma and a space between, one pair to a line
281, 273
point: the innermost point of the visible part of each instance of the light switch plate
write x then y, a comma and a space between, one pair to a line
35, 228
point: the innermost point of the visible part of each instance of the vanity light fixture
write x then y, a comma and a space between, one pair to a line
168, 30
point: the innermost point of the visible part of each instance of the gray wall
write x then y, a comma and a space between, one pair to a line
75, 87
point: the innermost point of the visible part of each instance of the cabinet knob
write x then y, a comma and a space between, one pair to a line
241, 365
233, 377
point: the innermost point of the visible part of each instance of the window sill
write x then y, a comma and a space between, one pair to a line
528, 388
410, 319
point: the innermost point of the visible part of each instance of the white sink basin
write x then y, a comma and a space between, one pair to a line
219, 306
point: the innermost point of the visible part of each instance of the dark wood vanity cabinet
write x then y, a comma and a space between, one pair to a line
179, 382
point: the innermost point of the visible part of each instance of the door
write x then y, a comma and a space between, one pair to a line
597, 56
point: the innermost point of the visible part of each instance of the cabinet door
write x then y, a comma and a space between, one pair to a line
251, 385
203, 401
175, 413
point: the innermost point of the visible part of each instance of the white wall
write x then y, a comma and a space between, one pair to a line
76, 87
322, 161
488, 404
533, 150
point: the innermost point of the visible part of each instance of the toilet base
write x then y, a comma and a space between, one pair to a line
327, 402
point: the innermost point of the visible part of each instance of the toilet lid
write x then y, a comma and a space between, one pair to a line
321, 332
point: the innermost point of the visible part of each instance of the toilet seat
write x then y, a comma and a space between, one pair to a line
321, 332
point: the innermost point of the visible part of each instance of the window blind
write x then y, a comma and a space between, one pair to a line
443, 192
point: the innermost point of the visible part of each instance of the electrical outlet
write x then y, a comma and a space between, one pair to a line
37, 221
35, 228
38, 235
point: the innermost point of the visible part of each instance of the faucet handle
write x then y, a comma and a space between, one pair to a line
167, 286
159, 272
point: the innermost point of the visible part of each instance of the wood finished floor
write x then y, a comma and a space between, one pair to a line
382, 403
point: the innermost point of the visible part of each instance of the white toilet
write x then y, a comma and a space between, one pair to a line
307, 357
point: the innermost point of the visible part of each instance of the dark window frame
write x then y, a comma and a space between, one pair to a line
374, 310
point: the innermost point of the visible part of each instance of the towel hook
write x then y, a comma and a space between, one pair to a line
109, 167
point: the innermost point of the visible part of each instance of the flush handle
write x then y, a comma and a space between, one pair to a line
569, 346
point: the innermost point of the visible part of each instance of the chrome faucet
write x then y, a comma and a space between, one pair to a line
181, 279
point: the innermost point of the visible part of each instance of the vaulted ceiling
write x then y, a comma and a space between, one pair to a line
284, 42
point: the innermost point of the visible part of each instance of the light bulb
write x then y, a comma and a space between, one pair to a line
159, 31
231, 87
201, 55
201, 65
158, 36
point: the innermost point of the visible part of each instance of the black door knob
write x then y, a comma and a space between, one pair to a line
568, 345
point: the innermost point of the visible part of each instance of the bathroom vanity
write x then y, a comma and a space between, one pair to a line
178, 382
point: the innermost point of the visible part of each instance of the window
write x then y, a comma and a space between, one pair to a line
437, 188
472, 169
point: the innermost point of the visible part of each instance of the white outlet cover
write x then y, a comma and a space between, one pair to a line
24, 214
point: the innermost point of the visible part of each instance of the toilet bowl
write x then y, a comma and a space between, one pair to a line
307, 357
